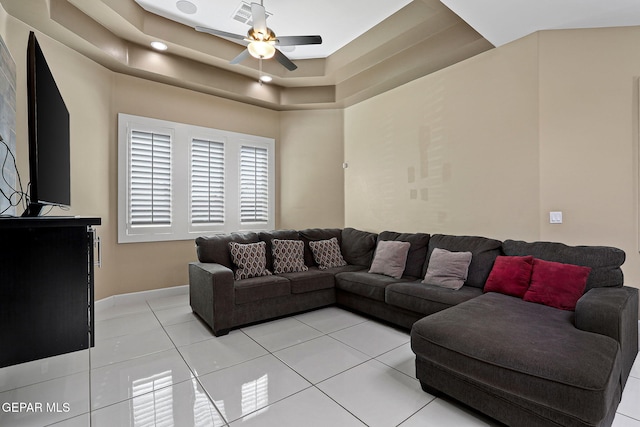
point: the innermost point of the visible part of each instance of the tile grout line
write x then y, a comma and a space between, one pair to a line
90, 383
360, 364
91, 410
312, 385
191, 370
316, 385
162, 326
338, 403
369, 358
272, 353
421, 408
627, 416
269, 353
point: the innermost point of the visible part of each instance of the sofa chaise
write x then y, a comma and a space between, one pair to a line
512, 353
529, 364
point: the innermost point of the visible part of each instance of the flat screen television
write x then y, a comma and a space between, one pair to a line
48, 125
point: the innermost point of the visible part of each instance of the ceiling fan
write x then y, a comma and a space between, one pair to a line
261, 41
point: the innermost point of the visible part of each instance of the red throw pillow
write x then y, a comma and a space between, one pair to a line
557, 285
510, 275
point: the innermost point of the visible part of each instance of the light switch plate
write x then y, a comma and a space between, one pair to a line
555, 217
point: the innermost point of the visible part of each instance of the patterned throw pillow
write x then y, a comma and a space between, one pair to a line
288, 256
250, 259
327, 253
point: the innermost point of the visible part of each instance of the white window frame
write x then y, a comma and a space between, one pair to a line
181, 227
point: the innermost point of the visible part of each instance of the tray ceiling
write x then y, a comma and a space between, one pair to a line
338, 22
370, 47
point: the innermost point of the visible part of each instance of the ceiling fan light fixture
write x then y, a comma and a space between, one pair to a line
261, 40
261, 49
266, 79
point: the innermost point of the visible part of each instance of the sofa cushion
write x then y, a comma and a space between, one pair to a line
366, 284
311, 280
604, 261
427, 299
523, 351
288, 256
358, 246
260, 288
390, 258
269, 236
447, 269
327, 254
510, 275
345, 269
249, 259
216, 248
556, 285
483, 250
417, 252
314, 234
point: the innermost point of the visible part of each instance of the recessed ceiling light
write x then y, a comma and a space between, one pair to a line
266, 79
187, 7
158, 45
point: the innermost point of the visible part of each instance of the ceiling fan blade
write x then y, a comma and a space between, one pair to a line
238, 59
220, 33
298, 40
286, 62
259, 17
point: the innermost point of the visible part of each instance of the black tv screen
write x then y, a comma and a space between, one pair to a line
48, 121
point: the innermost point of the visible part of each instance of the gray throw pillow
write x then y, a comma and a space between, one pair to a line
390, 258
447, 269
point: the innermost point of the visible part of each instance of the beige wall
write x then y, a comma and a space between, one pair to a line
86, 88
453, 152
589, 139
143, 266
488, 146
87, 96
95, 95
312, 180
491, 145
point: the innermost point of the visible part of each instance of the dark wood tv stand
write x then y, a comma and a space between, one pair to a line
46, 287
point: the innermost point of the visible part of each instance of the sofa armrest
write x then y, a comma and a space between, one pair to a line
612, 312
211, 295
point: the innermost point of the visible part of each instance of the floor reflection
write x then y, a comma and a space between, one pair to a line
158, 402
152, 404
255, 395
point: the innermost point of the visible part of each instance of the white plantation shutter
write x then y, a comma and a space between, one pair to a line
178, 181
254, 184
207, 182
150, 179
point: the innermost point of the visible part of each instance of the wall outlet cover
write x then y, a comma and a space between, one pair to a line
555, 217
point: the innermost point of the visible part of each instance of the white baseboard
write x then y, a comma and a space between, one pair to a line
137, 297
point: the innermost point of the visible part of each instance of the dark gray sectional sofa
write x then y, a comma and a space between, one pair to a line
520, 362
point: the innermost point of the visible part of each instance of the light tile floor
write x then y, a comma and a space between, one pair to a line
156, 364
